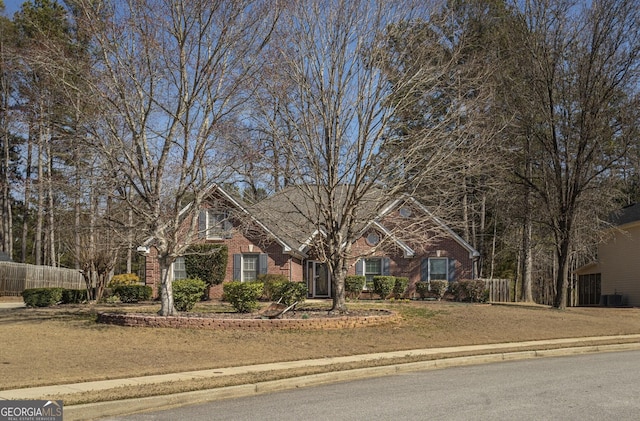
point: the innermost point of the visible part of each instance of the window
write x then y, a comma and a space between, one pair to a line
214, 224
438, 269
372, 239
247, 267
405, 212
372, 267
179, 269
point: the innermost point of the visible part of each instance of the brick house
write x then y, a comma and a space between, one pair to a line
260, 241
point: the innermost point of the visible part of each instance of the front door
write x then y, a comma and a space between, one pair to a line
318, 279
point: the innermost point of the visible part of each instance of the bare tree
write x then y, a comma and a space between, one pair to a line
349, 163
8, 139
578, 110
171, 75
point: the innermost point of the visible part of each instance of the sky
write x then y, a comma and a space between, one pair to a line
12, 6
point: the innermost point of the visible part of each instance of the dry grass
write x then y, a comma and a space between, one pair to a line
65, 345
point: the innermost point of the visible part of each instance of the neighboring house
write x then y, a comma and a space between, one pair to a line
614, 279
272, 237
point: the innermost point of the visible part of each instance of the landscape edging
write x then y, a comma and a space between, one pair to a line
212, 323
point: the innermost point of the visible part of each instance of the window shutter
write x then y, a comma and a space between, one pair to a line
452, 270
424, 270
360, 267
237, 267
386, 266
202, 224
262, 264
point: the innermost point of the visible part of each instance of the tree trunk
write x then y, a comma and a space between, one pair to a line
53, 261
562, 276
338, 269
339, 299
527, 234
7, 226
167, 307
527, 258
40, 203
27, 197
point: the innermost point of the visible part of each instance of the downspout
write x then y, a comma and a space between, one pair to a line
290, 270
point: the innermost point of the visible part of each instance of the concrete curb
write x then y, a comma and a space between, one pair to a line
129, 406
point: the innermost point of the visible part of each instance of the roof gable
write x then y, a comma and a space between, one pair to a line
406, 205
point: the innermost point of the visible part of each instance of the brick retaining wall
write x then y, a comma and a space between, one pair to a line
340, 322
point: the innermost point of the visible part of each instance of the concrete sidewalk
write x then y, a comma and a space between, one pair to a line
434, 358
8, 305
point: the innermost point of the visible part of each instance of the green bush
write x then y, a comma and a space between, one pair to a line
187, 292
42, 297
207, 262
289, 292
422, 288
353, 285
133, 293
243, 296
383, 285
459, 291
469, 290
400, 286
74, 296
272, 283
124, 279
439, 288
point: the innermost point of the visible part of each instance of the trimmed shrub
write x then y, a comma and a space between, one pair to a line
470, 290
476, 290
272, 283
42, 297
124, 279
187, 292
353, 285
243, 296
383, 285
459, 291
133, 293
289, 292
207, 262
400, 286
439, 288
422, 288
74, 296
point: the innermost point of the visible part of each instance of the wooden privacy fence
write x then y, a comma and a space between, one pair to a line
16, 277
499, 289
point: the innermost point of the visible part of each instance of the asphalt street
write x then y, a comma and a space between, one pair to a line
583, 387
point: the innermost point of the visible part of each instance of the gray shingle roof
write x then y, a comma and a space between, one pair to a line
626, 215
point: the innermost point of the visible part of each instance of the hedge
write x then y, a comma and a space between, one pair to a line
187, 292
207, 262
243, 296
42, 297
353, 285
470, 290
272, 283
289, 292
74, 296
400, 286
439, 288
383, 285
422, 288
133, 293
